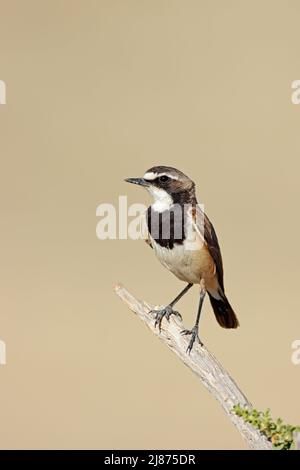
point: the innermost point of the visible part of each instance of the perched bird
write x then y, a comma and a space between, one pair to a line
185, 242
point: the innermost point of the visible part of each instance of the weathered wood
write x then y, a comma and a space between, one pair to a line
202, 362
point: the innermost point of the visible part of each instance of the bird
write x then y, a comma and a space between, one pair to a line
185, 242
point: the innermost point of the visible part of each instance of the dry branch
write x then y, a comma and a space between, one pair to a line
213, 376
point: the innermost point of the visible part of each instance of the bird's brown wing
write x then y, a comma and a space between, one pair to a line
211, 240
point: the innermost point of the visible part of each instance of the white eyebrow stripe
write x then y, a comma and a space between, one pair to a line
150, 176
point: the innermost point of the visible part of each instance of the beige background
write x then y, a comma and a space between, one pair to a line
102, 90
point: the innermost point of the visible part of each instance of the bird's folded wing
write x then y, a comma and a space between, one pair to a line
206, 231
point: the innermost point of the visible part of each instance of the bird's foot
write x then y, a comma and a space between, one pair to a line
164, 312
194, 335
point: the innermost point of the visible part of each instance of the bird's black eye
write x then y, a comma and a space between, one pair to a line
163, 178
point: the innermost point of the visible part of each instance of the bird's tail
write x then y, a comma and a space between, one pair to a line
223, 311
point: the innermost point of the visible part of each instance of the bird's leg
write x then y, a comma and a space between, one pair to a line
194, 331
168, 310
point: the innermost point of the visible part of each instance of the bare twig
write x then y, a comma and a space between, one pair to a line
213, 376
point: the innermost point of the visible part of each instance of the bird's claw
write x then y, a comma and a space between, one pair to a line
164, 312
194, 335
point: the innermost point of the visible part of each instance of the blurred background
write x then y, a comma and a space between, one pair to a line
102, 90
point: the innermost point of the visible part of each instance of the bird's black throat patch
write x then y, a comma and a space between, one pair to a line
167, 228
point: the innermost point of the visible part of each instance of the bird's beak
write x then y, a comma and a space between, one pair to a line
139, 181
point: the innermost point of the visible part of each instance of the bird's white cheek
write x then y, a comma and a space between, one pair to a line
162, 200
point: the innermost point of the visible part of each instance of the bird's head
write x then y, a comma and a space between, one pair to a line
167, 186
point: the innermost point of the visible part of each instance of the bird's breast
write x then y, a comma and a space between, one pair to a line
178, 247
